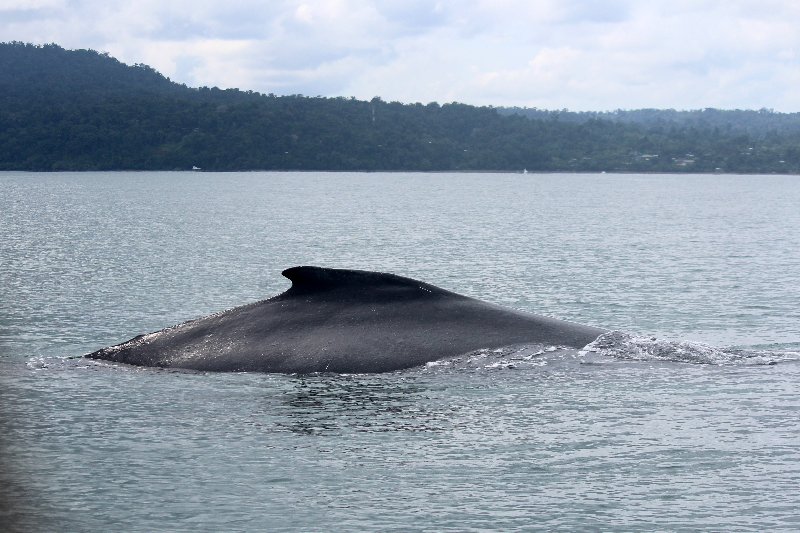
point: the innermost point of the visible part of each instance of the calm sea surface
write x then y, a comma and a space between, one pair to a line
687, 420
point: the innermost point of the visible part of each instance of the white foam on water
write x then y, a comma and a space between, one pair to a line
627, 347
43, 362
509, 357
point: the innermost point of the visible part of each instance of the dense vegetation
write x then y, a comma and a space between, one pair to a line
83, 110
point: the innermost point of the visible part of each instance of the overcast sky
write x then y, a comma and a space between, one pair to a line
551, 54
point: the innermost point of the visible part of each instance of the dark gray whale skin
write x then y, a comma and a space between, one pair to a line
346, 321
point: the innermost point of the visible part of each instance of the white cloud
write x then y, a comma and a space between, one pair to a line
14, 5
579, 54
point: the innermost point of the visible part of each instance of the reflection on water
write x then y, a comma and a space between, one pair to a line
341, 404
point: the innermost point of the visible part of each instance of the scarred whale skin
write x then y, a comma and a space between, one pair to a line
347, 321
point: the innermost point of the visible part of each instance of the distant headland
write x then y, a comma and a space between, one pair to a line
84, 110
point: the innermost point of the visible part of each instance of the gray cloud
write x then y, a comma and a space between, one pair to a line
579, 54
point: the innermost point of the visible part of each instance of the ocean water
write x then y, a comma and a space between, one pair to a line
687, 417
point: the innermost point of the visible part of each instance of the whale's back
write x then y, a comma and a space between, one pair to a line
349, 321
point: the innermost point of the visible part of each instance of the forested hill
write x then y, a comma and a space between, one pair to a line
83, 110
759, 124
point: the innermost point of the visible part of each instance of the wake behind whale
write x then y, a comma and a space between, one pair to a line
345, 321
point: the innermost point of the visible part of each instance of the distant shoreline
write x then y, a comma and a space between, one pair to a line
80, 110
520, 173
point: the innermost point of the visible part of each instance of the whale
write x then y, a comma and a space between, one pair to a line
344, 321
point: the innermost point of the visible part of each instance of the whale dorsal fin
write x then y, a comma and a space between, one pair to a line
312, 279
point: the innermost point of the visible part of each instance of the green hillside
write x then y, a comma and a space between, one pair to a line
83, 110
